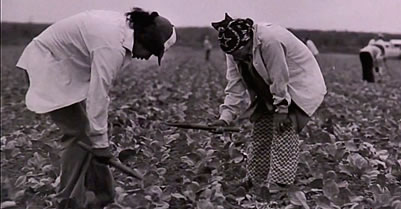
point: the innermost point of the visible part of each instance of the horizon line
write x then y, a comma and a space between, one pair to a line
206, 26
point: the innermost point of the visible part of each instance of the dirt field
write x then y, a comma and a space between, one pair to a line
351, 150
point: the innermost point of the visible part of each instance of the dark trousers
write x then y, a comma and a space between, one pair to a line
84, 182
367, 67
207, 55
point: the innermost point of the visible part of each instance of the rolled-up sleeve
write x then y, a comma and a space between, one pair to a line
106, 62
235, 93
274, 55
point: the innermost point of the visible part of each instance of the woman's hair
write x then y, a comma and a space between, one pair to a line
137, 17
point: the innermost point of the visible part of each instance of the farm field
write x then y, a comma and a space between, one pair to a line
350, 154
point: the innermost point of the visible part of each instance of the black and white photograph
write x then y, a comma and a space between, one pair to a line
200, 104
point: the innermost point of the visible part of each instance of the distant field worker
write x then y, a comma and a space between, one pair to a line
285, 87
208, 47
311, 46
71, 66
372, 58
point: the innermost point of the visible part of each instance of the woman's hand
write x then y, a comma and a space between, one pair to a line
103, 155
280, 120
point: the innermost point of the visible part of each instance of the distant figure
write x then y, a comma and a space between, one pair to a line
372, 59
208, 47
311, 46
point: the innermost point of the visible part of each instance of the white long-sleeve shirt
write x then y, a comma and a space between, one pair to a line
285, 64
77, 59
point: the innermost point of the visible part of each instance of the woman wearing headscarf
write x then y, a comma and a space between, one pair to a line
285, 87
71, 66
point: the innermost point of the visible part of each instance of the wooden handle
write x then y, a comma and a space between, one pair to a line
217, 129
115, 163
125, 169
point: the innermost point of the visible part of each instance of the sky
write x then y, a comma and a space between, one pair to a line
350, 15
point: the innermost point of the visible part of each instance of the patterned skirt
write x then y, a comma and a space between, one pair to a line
273, 154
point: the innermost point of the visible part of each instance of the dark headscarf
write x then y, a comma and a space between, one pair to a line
233, 33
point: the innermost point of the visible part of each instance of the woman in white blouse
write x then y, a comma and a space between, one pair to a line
71, 66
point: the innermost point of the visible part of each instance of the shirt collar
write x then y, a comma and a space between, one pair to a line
256, 40
170, 41
128, 42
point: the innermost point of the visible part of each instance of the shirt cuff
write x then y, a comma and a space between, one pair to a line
226, 117
282, 109
99, 141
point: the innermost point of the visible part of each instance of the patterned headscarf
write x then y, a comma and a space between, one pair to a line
233, 33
